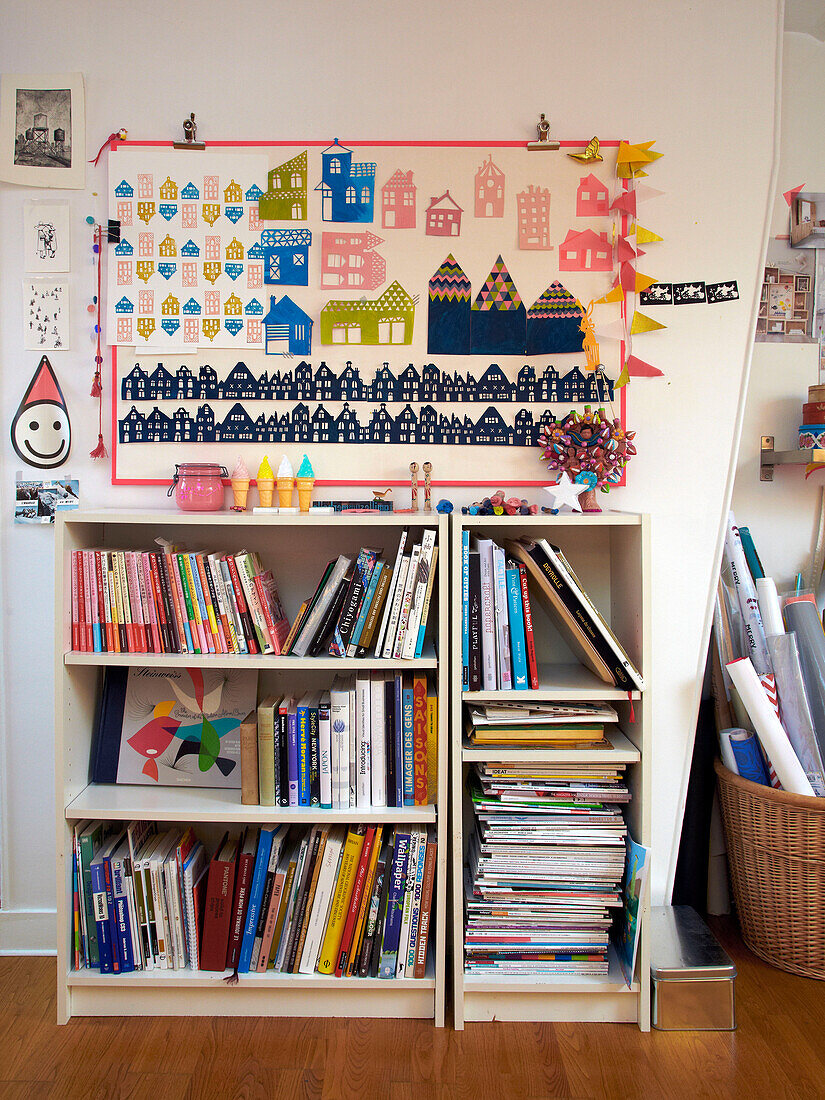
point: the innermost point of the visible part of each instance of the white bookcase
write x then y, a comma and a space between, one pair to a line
296, 548
610, 554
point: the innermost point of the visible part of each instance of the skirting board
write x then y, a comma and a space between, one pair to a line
27, 932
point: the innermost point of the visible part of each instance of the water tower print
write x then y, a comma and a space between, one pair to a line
43, 127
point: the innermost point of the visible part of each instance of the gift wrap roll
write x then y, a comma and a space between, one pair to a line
803, 618
768, 727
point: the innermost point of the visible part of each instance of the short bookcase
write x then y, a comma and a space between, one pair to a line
296, 548
610, 554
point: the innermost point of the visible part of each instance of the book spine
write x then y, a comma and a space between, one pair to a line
126, 602
246, 572
266, 755
111, 630
168, 605
210, 623
328, 621
488, 636
198, 604
97, 643
235, 624
303, 903
220, 638
154, 644
395, 610
328, 957
406, 602
283, 755
425, 611
361, 576
363, 786
314, 757
339, 721
243, 610
415, 911
87, 602
406, 906
432, 749
385, 619
355, 902
189, 601
395, 901
110, 905
419, 694
138, 629
255, 895
271, 920
243, 879
426, 908
177, 601
371, 921
408, 748
517, 645
356, 946
502, 620
325, 753
160, 610
398, 739
367, 638
221, 606
364, 610
465, 609
250, 791
101, 601
263, 912
217, 915
118, 647
292, 757
267, 614
123, 925
75, 606
529, 637
303, 755
145, 600
419, 594
378, 740
101, 917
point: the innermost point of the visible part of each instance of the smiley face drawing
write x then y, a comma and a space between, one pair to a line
41, 432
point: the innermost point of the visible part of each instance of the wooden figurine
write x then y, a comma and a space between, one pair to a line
428, 493
413, 486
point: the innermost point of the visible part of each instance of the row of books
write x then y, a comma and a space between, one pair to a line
560, 725
330, 899
173, 601
544, 867
368, 605
371, 740
498, 644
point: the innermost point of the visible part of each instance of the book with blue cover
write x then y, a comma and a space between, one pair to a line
255, 894
395, 904
518, 646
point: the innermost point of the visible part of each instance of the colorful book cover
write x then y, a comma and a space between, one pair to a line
517, 640
407, 741
395, 905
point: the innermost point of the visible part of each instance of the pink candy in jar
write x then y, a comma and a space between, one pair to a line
198, 486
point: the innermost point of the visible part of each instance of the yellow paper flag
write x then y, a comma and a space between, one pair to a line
645, 236
614, 295
642, 323
623, 378
643, 281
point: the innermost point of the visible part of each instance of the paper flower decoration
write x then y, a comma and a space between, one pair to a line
588, 447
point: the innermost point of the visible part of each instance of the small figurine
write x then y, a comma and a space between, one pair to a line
381, 494
240, 485
591, 153
305, 479
445, 507
266, 483
413, 486
544, 139
428, 493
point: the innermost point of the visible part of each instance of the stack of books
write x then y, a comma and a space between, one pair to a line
372, 740
544, 868
369, 606
329, 899
555, 725
173, 601
498, 644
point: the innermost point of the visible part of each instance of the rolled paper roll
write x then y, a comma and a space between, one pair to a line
769, 606
756, 647
768, 727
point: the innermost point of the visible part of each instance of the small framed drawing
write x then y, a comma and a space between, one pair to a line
43, 130
46, 236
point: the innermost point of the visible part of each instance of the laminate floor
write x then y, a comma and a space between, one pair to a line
777, 1051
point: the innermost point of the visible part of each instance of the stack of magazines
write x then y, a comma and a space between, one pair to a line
544, 867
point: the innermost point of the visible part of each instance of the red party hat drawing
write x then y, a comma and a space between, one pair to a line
44, 387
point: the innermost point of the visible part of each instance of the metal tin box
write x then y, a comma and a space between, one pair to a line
692, 977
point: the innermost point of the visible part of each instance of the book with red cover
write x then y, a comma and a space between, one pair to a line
529, 638
75, 603
424, 920
420, 739
247, 847
217, 916
355, 901
243, 610
277, 624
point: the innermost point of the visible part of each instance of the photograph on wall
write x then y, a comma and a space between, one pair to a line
46, 314
40, 501
46, 236
43, 130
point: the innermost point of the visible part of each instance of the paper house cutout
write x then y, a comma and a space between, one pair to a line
124, 190
167, 270
210, 212
124, 248
233, 270
167, 246
168, 210
253, 193
192, 308
553, 323
168, 189
347, 188
233, 326
489, 190
170, 306
190, 191
384, 320
233, 306
170, 325
448, 310
585, 251
592, 199
234, 213
234, 250
534, 218
443, 216
255, 251
286, 256
348, 261
146, 211
285, 198
233, 192
287, 328
398, 201
253, 308
190, 249
125, 305
497, 321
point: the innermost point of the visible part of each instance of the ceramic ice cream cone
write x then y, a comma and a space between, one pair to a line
266, 487
305, 481
286, 483
240, 489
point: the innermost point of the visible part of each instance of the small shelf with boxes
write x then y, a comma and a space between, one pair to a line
785, 305
550, 766
371, 774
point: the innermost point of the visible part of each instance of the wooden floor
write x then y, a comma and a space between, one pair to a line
777, 1051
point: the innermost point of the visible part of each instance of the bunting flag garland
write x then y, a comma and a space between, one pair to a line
614, 295
625, 203
613, 330
636, 368
644, 236
643, 193
643, 323
788, 196
624, 250
632, 159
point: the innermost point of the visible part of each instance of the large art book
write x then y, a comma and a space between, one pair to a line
172, 727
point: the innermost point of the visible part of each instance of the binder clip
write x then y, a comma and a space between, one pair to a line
544, 139
190, 135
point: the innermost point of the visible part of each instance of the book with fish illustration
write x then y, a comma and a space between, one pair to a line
172, 726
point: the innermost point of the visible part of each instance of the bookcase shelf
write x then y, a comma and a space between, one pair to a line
296, 547
610, 553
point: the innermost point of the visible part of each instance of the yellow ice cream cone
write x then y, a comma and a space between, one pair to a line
286, 487
240, 488
266, 487
305, 492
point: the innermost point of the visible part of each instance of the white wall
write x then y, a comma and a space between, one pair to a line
696, 75
782, 514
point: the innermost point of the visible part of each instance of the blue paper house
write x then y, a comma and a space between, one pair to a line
191, 308
288, 329
497, 319
553, 323
124, 248
255, 252
253, 308
190, 249
167, 270
190, 192
167, 210
286, 256
347, 189
124, 190
448, 314
234, 213
125, 305
253, 193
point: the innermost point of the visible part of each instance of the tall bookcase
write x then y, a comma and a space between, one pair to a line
296, 548
610, 554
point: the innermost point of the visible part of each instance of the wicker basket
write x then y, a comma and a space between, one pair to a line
776, 853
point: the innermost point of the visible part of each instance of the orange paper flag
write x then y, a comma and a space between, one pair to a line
644, 236
643, 323
614, 295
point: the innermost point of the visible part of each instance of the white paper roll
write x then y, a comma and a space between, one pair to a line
728, 759
768, 728
769, 606
754, 642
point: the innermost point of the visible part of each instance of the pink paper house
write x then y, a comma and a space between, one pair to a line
591, 198
348, 260
489, 190
443, 216
398, 201
585, 251
534, 218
